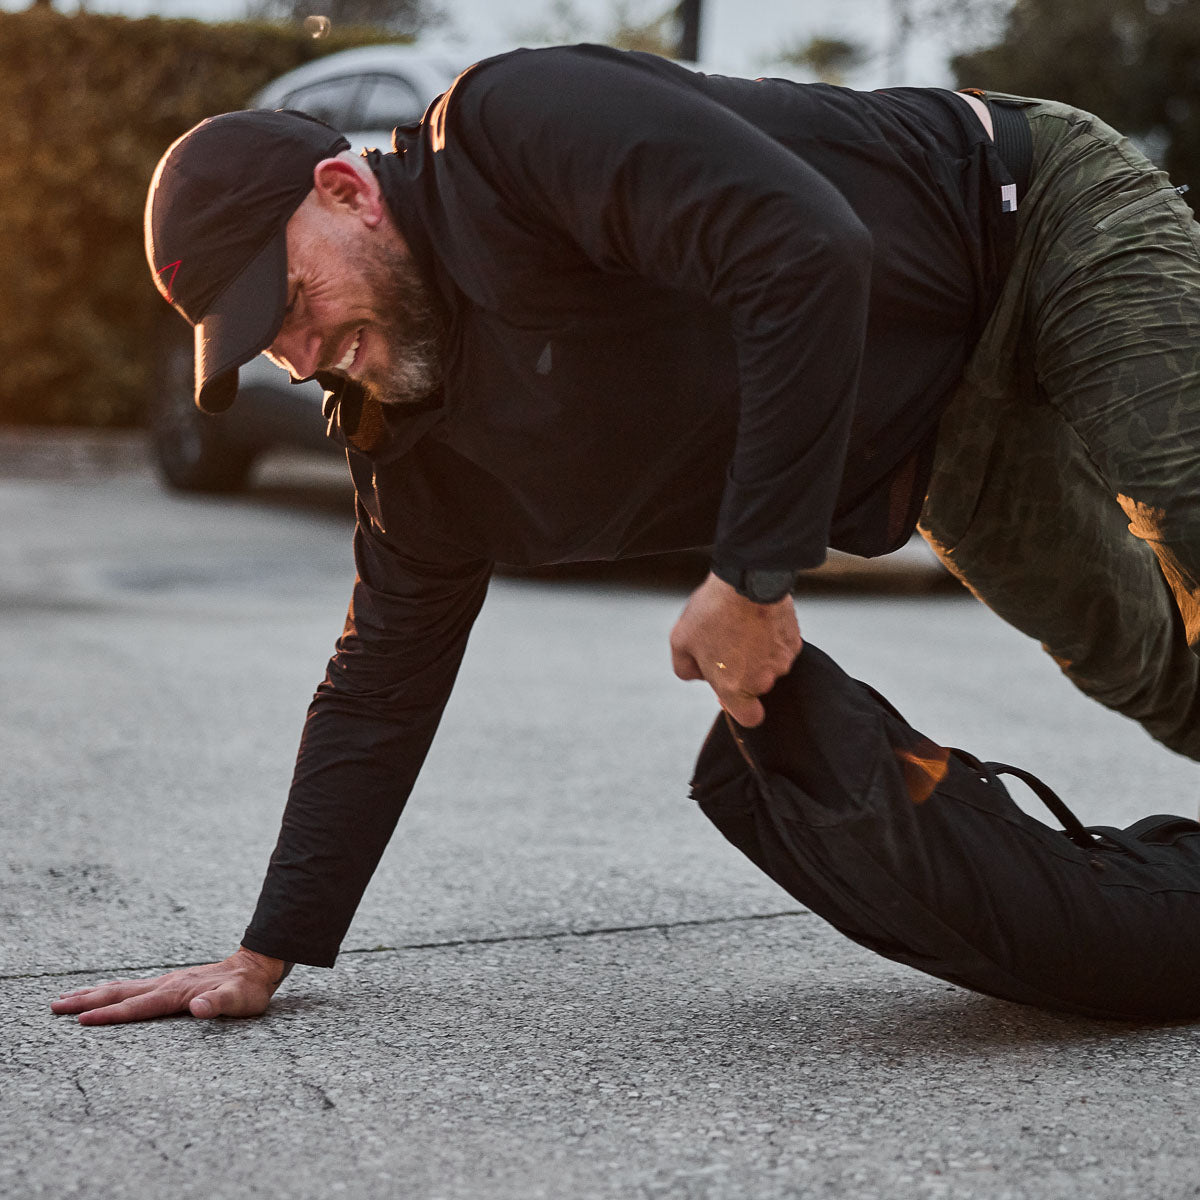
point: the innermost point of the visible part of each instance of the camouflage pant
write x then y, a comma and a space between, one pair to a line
1066, 485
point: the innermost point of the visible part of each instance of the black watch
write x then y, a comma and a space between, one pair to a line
762, 585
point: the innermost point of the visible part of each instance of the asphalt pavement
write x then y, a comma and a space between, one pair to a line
562, 982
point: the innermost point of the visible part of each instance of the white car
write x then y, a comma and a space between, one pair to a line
364, 93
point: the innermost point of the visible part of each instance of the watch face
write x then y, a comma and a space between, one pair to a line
766, 587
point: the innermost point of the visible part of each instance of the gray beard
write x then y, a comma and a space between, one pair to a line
413, 323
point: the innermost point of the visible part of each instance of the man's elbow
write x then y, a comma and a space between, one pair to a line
847, 245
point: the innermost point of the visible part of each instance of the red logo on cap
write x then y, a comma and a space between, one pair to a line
174, 269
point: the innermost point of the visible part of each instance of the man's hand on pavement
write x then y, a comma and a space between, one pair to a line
240, 986
741, 648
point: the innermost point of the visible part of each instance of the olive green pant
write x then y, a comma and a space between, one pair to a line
1066, 483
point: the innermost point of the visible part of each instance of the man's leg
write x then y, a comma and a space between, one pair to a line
1039, 538
1066, 489
1117, 354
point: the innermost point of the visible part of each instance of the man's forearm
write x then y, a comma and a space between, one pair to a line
353, 777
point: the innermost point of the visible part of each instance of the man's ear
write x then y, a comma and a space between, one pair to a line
339, 184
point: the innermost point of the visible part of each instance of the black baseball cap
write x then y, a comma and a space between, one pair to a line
216, 220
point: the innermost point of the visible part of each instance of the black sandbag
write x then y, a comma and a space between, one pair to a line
919, 853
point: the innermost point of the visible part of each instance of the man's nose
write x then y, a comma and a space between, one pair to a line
299, 350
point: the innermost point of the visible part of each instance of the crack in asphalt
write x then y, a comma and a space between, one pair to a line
116, 1121
301, 1072
87, 1100
454, 943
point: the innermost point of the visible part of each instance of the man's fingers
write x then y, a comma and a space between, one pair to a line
741, 704
736, 697
231, 999
738, 690
83, 999
203, 1008
685, 665
238, 986
223, 1001
91, 987
95, 987
74, 1003
746, 711
159, 1003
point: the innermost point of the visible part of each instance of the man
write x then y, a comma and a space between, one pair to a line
597, 306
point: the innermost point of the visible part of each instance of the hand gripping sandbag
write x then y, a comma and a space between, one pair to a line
919, 853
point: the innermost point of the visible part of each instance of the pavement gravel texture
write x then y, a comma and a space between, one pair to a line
562, 982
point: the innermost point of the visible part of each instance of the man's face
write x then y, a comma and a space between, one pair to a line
357, 307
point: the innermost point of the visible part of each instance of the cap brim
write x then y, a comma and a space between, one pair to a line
241, 323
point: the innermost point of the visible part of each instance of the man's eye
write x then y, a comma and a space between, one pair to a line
291, 304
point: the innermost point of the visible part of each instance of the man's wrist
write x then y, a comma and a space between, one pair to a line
276, 969
763, 585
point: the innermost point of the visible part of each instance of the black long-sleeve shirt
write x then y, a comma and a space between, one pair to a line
684, 311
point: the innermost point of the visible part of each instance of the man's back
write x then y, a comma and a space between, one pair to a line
599, 251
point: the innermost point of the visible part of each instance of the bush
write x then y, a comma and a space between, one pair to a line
1131, 62
91, 103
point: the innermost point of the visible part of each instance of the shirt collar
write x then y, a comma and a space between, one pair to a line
403, 425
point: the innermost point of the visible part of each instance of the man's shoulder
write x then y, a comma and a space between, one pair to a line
539, 61
546, 74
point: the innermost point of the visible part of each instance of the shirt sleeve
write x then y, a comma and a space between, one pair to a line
646, 174
367, 733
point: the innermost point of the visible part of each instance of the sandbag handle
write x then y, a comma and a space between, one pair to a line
1072, 825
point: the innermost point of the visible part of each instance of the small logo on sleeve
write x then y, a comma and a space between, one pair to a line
1008, 197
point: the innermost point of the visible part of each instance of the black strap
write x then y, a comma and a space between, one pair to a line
1072, 825
1014, 141
1122, 839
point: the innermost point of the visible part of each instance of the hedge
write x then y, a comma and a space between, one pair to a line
1135, 63
91, 102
